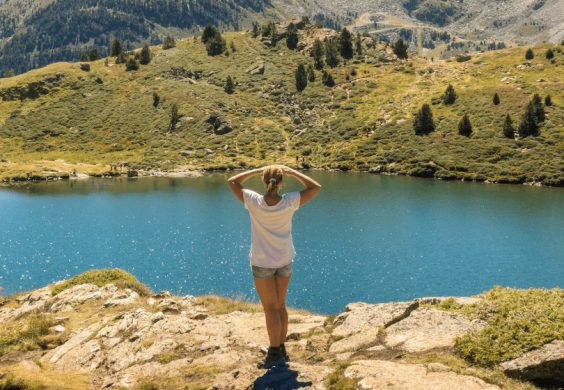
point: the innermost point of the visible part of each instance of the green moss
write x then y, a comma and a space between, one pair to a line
518, 321
99, 277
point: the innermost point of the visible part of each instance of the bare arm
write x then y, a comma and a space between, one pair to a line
312, 187
235, 182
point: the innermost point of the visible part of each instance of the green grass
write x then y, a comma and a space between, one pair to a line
31, 335
518, 321
100, 278
11, 383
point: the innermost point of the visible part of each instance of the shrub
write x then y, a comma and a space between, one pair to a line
317, 52
306, 151
145, 56
116, 48
174, 115
156, 99
122, 58
400, 49
529, 122
508, 130
132, 64
332, 53
169, 43
94, 56
9, 73
549, 54
99, 277
84, 57
233, 48
292, 39
328, 79
548, 101
229, 85
465, 126
310, 73
529, 55
216, 45
301, 78
449, 97
353, 72
496, 99
423, 123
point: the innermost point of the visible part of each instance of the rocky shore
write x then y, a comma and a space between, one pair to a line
120, 337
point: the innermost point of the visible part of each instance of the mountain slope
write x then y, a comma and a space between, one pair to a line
364, 121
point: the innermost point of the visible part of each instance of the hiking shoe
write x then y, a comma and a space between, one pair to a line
273, 357
284, 353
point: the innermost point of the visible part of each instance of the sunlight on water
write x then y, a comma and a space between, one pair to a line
365, 238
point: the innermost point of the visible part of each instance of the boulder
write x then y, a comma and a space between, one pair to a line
385, 57
132, 173
376, 169
223, 129
85, 67
256, 69
377, 374
167, 304
428, 328
546, 362
317, 344
57, 329
463, 57
99, 80
185, 153
163, 294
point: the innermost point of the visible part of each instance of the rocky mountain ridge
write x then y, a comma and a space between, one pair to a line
119, 338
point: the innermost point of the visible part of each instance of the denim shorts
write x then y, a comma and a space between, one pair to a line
265, 273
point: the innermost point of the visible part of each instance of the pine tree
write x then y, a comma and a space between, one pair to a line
449, 97
496, 99
94, 56
464, 126
84, 57
255, 32
317, 52
346, 44
145, 56
116, 48
508, 129
174, 116
358, 44
331, 53
106, 62
216, 45
529, 122
549, 54
292, 39
233, 48
273, 36
301, 78
353, 72
209, 32
548, 101
400, 49
229, 85
310, 74
169, 43
423, 123
132, 64
328, 79
156, 99
539, 108
529, 55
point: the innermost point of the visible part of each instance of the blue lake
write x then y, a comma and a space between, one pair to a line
364, 238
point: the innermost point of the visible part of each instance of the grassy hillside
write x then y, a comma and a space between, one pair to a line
363, 122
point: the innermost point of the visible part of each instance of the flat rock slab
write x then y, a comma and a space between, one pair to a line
377, 374
546, 362
428, 328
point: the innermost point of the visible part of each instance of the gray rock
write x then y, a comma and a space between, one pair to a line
256, 69
85, 67
376, 169
167, 304
57, 329
223, 129
99, 80
185, 153
85, 95
163, 294
546, 362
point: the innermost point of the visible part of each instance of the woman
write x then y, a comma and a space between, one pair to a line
272, 250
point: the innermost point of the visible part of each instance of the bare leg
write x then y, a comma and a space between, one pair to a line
266, 289
281, 290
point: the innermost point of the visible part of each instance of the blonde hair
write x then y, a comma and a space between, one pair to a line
272, 178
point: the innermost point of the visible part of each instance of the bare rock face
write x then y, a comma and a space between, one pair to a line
361, 322
31, 302
317, 344
377, 374
256, 69
428, 328
546, 362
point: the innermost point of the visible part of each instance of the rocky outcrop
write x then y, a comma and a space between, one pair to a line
256, 69
546, 362
377, 374
463, 57
221, 124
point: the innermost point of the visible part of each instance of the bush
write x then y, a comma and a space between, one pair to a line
508, 130
122, 58
496, 99
548, 101
156, 99
449, 97
529, 55
216, 45
9, 73
99, 277
549, 54
301, 78
84, 57
229, 85
423, 123
145, 56
169, 43
306, 151
116, 48
292, 39
465, 126
400, 49
132, 64
94, 56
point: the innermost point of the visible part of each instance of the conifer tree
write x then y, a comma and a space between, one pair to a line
84, 57
255, 32
331, 53
346, 44
548, 101
328, 79
400, 49
229, 85
449, 97
273, 36
549, 54
145, 56
233, 48
317, 52
116, 48
122, 58
292, 39
310, 74
132, 64
496, 99
94, 56
209, 32
169, 43
529, 122
529, 55
9, 74
508, 129
216, 45
465, 126
156, 99
358, 44
539, 107
301, 78
423, 123
174, 116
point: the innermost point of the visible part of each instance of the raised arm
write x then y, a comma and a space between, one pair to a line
312, 187
235, 182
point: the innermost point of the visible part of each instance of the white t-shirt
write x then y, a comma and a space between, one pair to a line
271, 229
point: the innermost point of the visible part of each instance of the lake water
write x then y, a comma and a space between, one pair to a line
368, 238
